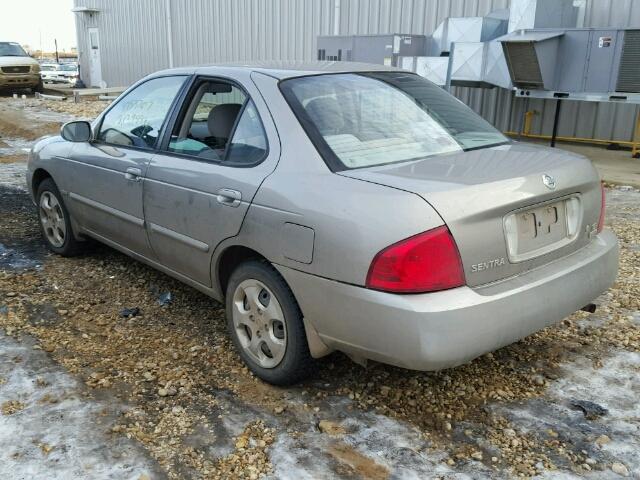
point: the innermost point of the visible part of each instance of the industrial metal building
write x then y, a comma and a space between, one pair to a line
119, 41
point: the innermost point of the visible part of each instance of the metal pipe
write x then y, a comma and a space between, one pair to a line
597, 141
336, 17
167, 6
447, 83
556, 117
635, 148
528, 118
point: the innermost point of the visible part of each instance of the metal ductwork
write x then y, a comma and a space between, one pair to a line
466, 29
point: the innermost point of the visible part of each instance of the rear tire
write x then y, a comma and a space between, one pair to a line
55, 221
265, 324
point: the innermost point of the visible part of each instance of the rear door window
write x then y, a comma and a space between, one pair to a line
137, 119
249, 143
220, 123
208, 121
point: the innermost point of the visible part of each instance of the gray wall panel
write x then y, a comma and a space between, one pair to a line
134, 43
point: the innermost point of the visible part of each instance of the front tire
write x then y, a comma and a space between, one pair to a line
265, 324
55, 221
39, 88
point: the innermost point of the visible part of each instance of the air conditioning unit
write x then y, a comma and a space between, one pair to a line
591, 60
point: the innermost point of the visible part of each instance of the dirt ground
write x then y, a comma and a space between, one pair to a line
85, 392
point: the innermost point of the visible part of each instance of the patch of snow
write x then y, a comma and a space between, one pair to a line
60, 433
616, 387
13, 175
13, 259
15, 146
386, 442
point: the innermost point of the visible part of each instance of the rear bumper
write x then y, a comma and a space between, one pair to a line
443, 329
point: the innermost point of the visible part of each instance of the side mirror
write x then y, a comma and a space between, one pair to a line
79, 131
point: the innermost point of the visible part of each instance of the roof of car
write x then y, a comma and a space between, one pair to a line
289, 69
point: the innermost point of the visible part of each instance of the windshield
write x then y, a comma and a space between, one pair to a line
364, 119
67, 68
10, 49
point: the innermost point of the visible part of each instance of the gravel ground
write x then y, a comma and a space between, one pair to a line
166, 395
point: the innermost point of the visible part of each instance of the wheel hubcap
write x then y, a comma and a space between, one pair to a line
52, 219
259, 323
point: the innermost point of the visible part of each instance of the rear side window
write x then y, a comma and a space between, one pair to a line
136, 120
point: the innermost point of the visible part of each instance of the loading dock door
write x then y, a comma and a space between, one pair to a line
95, 69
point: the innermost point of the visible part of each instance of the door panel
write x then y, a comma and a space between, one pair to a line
194, 201
186, 215
107, 199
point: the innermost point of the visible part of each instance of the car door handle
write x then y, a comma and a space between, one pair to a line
133, 174
229, 197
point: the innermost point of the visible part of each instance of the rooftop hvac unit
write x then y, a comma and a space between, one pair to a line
466, 29
381, 49
574, 61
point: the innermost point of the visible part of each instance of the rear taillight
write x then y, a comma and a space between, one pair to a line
602, 208
426, 262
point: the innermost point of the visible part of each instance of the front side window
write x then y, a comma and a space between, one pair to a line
368, 119
11, 49
136, 120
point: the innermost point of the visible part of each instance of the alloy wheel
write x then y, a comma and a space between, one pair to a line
259, 323
52, 219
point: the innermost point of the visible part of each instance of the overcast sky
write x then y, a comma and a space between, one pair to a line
29, 21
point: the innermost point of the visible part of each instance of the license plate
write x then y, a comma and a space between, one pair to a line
536, 230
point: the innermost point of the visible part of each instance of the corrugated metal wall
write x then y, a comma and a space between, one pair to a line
133, 37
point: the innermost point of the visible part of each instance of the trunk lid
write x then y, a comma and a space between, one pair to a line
503, 216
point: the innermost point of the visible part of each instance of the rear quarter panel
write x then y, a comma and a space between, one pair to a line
351, 220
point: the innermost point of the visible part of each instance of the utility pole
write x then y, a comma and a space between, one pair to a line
55, 40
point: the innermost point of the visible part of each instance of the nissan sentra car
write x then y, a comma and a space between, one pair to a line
332, 207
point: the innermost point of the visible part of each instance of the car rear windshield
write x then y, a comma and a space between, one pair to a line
10, 49
364, 119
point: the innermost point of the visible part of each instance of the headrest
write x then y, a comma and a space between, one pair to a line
221, 119
325, 114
